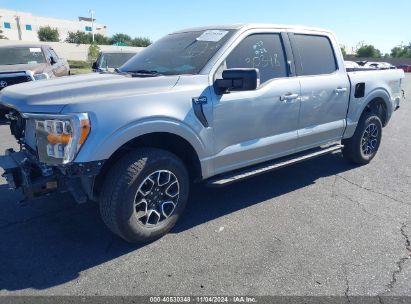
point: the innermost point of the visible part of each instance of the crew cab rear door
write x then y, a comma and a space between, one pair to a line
253, 126
325, 88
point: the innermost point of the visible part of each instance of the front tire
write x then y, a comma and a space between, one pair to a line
362, 147
144, 194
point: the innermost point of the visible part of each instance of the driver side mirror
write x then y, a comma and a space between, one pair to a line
94, 66
52, 60
237, 80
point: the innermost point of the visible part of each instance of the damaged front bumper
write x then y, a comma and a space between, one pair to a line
23, 170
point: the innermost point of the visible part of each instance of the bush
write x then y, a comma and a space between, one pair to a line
2, 36
93, 52
79, 64
47, 33
121, 38
141, 41
87, 38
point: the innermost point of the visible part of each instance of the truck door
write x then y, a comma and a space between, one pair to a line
254, 126
325, 89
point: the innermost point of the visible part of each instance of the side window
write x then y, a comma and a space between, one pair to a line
54, 54
261, 51
316, 54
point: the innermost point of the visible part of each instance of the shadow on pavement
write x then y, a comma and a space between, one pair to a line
56, 239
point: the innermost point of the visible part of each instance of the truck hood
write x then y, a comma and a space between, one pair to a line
51, 96
35, 68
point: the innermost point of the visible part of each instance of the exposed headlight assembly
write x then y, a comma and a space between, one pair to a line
59, 137
41, 76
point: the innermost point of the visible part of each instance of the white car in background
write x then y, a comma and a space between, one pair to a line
379, 65
351, 65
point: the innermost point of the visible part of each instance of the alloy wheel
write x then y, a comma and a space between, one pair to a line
369, 139
156, 198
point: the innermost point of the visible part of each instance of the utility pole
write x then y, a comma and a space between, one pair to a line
18, 27
92, 23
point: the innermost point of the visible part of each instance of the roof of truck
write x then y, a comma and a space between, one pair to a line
34, 45
252, 26
122, 51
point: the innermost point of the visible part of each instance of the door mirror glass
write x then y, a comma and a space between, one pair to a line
237, 80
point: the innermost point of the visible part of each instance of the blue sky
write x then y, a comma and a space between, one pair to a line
353, 21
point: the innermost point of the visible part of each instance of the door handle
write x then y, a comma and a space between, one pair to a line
288, 97
340, 90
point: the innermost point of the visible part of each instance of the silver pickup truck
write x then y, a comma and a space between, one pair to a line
216, 104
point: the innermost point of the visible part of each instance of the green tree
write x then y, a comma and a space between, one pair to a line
401, 52
2, 36
93, 52
123, 38
368, 51
86, 38
79, 38
344, 53
141, 41
101, 39
46, 33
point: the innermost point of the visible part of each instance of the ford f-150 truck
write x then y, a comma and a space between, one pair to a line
216, 104
29, 62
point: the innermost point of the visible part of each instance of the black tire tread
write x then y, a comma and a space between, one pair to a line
121, 175
351, 151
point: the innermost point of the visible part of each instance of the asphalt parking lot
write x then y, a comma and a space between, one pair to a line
322, 227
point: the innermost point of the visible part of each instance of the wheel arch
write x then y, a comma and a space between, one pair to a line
378, 100
378, 105
171, 142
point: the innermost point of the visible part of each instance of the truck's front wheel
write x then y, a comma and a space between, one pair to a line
363, 145
144, 194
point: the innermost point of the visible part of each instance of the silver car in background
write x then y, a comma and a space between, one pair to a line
108, 61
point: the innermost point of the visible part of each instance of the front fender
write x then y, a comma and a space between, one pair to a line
105, 147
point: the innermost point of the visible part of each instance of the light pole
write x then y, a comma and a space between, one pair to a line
92, 23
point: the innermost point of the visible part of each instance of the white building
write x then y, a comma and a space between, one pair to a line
24, 26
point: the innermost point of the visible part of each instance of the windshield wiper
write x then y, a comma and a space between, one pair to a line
144, 73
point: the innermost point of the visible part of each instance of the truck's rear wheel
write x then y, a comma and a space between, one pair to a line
144, 194
363, 145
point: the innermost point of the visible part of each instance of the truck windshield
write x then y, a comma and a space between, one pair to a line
114, 60
180, 53
21, 55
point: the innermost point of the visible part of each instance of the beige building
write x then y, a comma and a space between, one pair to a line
24, 26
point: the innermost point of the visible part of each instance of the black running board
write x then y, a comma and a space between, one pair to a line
241, 174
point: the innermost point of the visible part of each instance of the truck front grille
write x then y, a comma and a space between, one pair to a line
30, 134
11, 78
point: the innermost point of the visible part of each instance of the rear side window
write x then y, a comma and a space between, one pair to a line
261, 51
316, 54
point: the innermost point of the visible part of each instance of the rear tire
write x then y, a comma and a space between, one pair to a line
144, 194
362, 147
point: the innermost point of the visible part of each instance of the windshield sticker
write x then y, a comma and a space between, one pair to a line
32, 62
212, 35
35, 50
